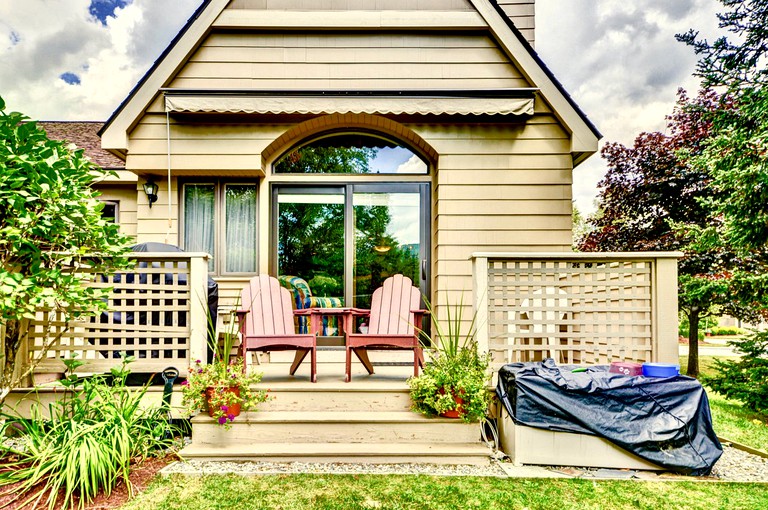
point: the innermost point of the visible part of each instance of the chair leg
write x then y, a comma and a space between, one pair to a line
313, 365
301, 353
362, 355
348, 365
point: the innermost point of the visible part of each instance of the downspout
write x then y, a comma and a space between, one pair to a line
168, 139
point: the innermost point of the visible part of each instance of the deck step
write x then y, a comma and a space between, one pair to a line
333, 427
365, 453
340, 397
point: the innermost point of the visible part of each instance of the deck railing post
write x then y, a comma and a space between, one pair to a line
198, 309
480, 297
664, 314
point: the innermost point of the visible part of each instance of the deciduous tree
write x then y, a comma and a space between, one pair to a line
651, 198
50, 230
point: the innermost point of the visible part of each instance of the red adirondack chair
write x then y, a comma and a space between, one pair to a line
394, 323
266, 323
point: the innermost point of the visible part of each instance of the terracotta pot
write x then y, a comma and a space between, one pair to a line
454, 413
234, 409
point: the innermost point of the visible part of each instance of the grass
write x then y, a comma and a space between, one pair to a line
731, 420
425, 492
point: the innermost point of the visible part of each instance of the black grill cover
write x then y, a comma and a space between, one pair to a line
663, 420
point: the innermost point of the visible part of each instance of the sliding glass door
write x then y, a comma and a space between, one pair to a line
346, 240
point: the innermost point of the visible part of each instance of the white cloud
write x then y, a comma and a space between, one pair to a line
621, 63
55, 37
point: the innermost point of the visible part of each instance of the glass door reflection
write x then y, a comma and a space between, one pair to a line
310, 239
387, 240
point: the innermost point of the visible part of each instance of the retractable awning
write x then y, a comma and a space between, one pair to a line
328, 104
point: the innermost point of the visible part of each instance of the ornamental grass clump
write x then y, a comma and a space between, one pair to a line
85, 446
456, 378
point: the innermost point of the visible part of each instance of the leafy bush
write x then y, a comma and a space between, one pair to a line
745, 379
683, 332
86, 445
727, 331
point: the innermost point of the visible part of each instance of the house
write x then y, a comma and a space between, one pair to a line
343, 141
443, 134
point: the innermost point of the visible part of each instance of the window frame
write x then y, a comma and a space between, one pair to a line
219, 222
341, 132
116, 204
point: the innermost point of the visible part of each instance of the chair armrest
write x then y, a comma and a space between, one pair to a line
303, 311
359, 312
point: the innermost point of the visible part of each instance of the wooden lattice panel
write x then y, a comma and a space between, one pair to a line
570, 310
148, 318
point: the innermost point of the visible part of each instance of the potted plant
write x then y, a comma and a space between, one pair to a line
222, 386
454, 383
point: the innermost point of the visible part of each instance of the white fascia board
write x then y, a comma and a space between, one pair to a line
583, 140
115, 136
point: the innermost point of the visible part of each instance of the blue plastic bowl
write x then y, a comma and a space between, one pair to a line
660, 369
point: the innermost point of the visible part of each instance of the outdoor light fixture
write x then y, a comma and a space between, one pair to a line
150, 188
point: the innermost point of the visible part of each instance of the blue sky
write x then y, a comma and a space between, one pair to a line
78, 59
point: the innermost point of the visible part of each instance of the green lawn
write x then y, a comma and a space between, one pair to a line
334, 492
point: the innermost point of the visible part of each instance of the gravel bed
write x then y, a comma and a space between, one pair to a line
739, 466
734, 466
195, 467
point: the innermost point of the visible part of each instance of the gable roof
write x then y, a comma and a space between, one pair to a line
85, 135
584, 134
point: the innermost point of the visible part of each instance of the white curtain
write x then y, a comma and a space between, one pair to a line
199, 222
241, 228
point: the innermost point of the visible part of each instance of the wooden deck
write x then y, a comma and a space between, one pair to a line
367, 420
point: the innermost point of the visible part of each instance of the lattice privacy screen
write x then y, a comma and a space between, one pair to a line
149, 311
570, 310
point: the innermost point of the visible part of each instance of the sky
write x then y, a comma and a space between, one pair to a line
78, 59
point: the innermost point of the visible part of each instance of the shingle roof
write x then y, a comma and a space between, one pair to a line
85, 135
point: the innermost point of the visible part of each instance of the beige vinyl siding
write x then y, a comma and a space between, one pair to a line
126, 196
230, 289
153, 225
200, 149
521, 12
354, 5
498, 187
523, 15
383, 60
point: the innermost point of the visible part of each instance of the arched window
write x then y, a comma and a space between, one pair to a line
345, 236
351, 153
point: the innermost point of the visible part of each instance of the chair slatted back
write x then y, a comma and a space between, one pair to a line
271, 312
391, 306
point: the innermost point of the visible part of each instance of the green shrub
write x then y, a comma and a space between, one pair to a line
86, 445
727, 331
745, 379
683, 332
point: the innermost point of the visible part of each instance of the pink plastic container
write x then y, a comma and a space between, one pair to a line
626, 368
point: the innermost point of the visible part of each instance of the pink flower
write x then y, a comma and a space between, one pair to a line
222, 420
185, 383
231, 417
224, 408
